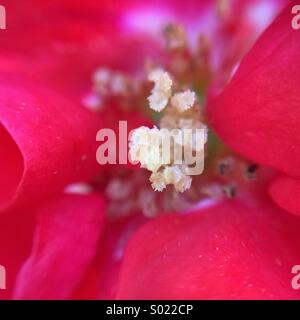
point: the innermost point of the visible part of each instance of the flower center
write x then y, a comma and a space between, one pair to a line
176, 104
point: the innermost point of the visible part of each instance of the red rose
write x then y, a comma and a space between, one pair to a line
227, 241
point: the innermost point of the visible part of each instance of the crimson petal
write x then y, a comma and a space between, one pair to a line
258, 112
16, 234
65, 243
101, 279
48, 142
228, 251
285, 192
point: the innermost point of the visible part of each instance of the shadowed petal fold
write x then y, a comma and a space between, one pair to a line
48, 142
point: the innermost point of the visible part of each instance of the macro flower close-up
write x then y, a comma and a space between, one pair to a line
150, 150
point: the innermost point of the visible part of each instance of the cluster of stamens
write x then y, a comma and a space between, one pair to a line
146, 144
111, 86
177, 107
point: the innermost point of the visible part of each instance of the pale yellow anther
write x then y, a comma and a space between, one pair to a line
171, 175
157, 181
184, 184
162, 90
175, 175
118, 84
145, 148
183, 101
102, 79
154, 148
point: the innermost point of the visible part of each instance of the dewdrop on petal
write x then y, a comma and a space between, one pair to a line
183, 101
162, 90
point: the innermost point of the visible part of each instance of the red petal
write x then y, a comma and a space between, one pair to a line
101, 279
285, 192
16, 233
228, 251
64, 245
48, 142
72, 43
258, 112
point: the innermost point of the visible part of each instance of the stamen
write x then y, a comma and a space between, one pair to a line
118, 189
157, 181
230, 191
225, 166
119, 84
146, 144
173, 175
147, 202
176, 176
223, 8
251, 171
190, 68
161, 91
175, 37
101, 80
183, 101
144, 148
115, 86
